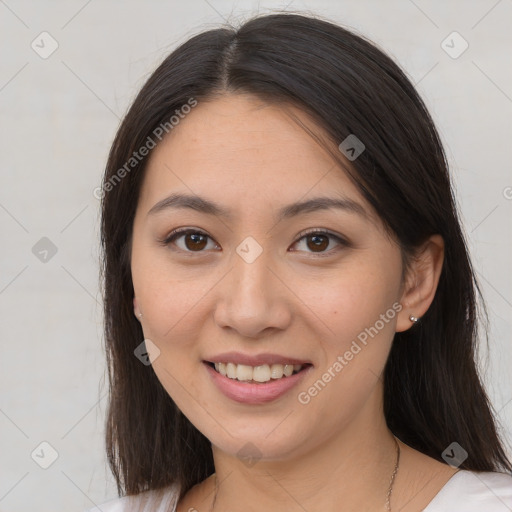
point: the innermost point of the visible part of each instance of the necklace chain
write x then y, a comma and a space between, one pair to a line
388, 496
392, 481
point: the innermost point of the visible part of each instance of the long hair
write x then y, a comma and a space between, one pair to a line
433, 394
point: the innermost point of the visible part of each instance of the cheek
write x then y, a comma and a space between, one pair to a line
352, 301
171, 309
357, 307
168, 299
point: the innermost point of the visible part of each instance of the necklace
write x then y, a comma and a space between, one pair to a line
392, 481
388, 496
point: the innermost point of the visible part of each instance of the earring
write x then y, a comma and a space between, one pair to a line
413, 318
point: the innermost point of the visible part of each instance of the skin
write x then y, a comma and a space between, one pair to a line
251, 158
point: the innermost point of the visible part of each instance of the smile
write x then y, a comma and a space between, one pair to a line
261, 373
260, 384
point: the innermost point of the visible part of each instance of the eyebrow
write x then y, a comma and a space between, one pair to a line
203, 205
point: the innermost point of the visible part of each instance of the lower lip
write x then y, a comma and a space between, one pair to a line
250, 393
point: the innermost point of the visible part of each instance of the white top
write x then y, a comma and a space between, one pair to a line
466, 491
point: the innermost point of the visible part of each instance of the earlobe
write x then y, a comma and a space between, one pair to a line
421, 282
136, 310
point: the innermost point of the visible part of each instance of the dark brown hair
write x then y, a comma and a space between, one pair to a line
433, 395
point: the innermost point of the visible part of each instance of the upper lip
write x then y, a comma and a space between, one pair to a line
255, 360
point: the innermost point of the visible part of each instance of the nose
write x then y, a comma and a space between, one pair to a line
253, 299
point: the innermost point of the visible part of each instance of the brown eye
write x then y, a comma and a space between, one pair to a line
319, 241
193, 240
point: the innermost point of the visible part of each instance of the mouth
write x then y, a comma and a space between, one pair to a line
257, 374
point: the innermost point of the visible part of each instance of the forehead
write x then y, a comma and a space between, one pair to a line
246, 151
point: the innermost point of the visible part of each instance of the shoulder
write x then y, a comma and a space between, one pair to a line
473, 491
161, 500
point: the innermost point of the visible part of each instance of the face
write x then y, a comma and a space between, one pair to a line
268, 288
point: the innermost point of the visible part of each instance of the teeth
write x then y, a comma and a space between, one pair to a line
231, 370
276, 371
263, 373
243, 372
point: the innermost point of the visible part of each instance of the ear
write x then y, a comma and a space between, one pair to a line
421, 281
136, 310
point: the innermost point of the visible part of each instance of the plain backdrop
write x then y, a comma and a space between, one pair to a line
59, 113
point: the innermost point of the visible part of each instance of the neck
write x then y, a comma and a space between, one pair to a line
350, 471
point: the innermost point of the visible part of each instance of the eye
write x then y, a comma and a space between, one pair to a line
193, 240
317, 241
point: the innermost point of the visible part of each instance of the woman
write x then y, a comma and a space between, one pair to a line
290, 309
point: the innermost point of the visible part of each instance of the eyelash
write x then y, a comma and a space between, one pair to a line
184, 231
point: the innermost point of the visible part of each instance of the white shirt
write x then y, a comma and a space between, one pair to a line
466, 491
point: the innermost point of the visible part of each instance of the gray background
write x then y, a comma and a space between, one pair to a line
58, 117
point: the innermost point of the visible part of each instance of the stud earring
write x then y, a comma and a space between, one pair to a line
413, 318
